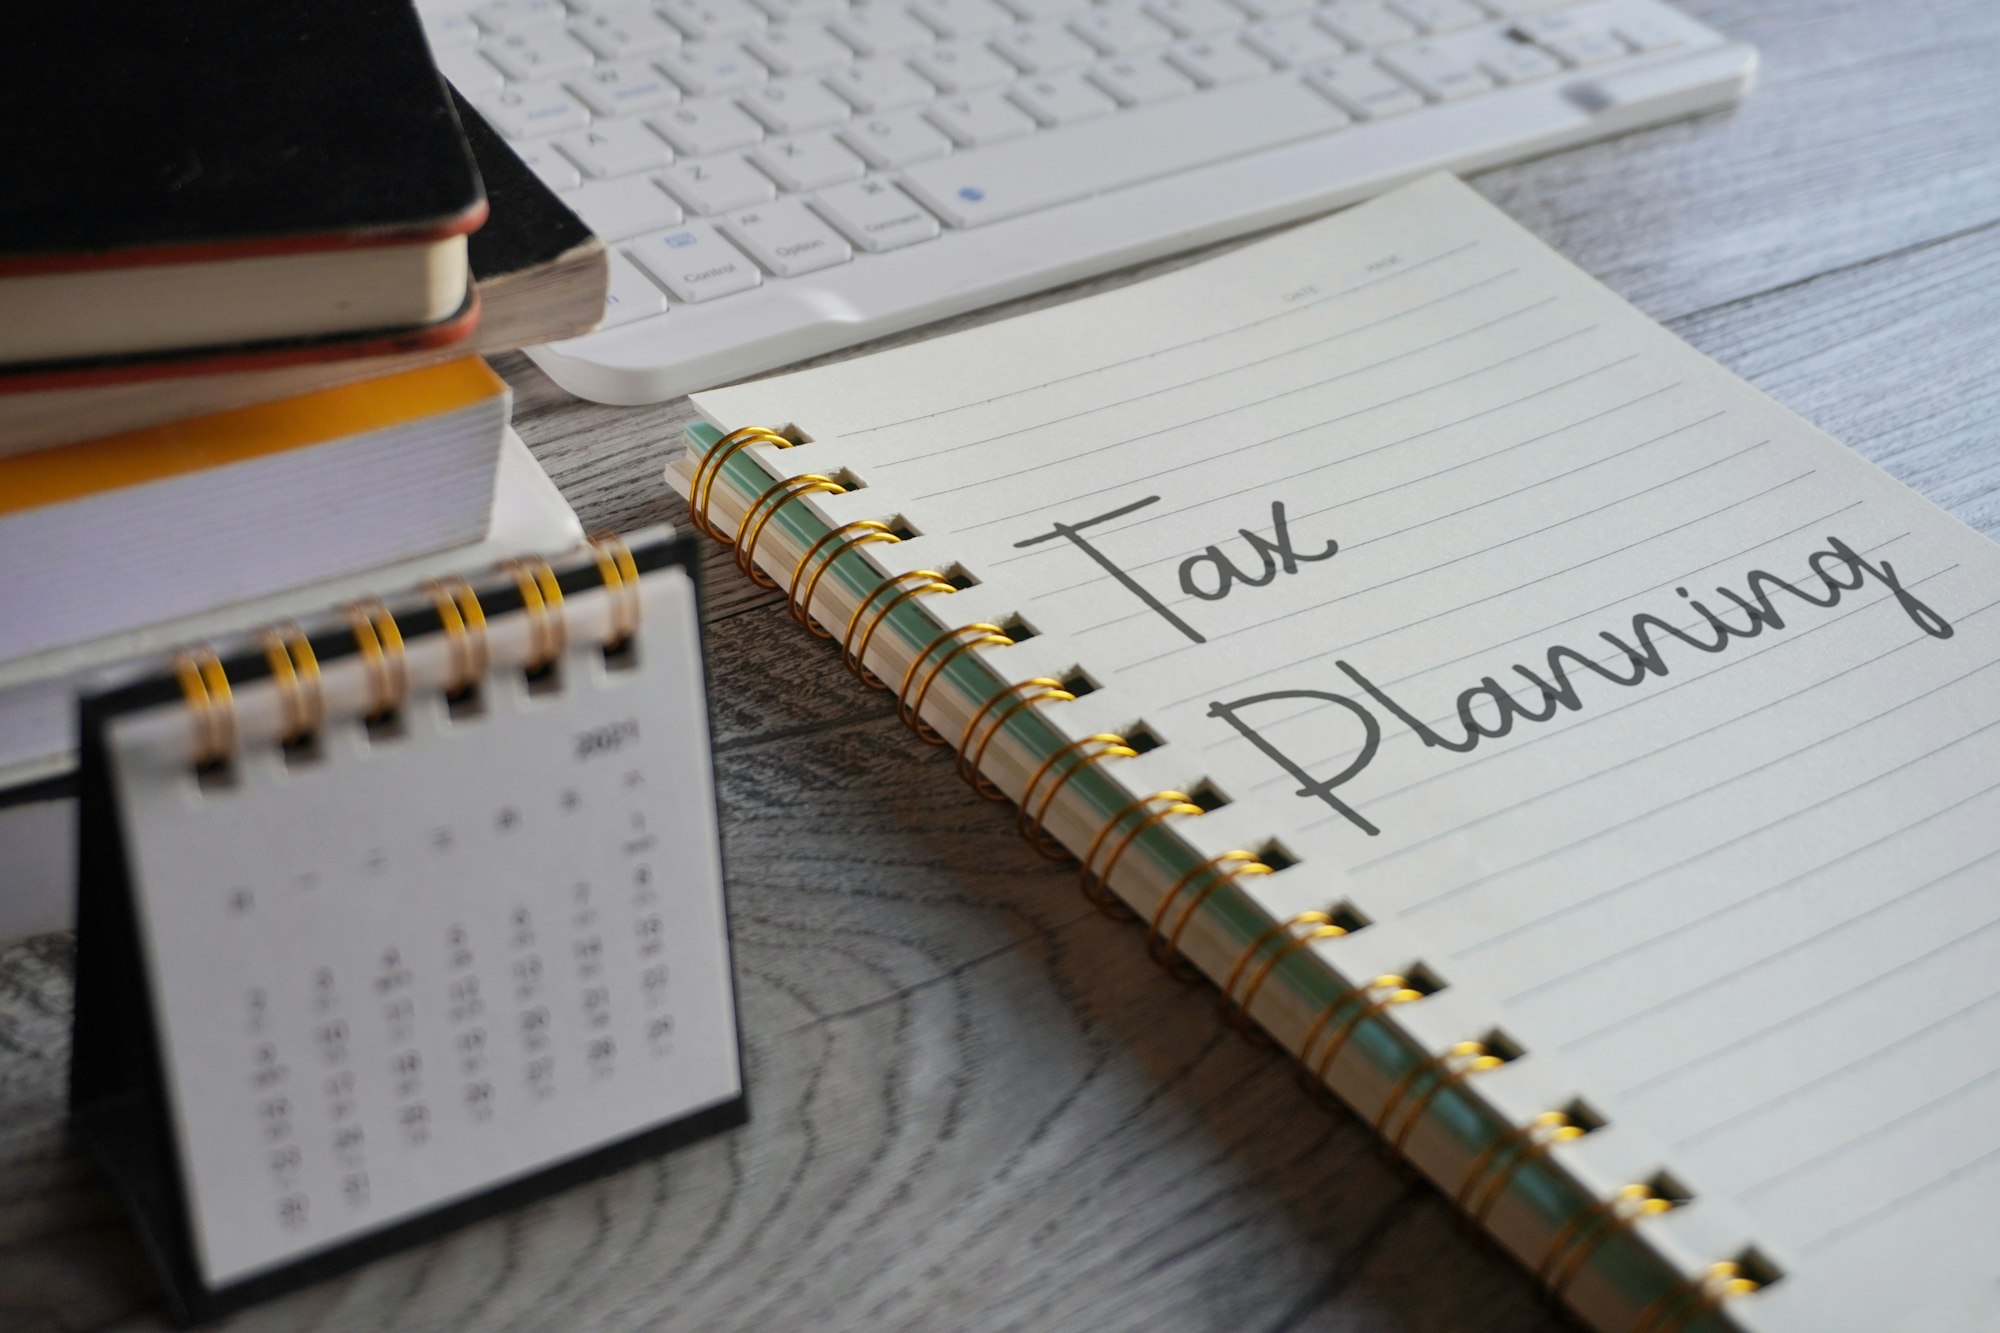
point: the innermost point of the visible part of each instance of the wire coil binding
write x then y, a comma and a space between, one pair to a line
1235, 1010
1164, 947
915, 583
842, 539
295, 669
702, 485
1368, 999
1694, 1298
1450, 1067
1579, 1238
1528, 1142
1015, 697
1031, 814
764, 508
909, 706
380, 642
464, 622
542, 600
619, 574
211, 706
1151, 810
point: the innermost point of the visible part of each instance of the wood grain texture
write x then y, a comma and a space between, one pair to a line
975, 1104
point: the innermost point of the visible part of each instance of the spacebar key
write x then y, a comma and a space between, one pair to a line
1057, 166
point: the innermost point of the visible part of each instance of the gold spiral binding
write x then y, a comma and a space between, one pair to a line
1530, 1141
909, 707
464, 622
850, 535
1154, 809
1029, 822
211, 706
1369, 999
619, 574
1164, 947
295, 670
1451, 1067
853, 652
1236, 1012
758, 515
1043, 690
1690, 1300
380, 643
1579, 1238
541, 598
702, 484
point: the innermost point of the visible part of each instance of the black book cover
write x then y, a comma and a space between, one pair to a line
132, 131
528, 227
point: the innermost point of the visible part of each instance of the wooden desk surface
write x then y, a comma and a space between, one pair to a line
975, 1104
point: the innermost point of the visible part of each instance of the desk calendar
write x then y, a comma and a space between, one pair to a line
389, 922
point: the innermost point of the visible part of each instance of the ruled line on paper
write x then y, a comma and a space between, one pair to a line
1627, 762
1863, 917
1331, 421
1349, 548
1556, 982
1240, 450
1894, 1205
1236, 738
1261, 320
1153, 516
1472, 555
1840, 1149
1868, 1057
1471, 884
1295, 350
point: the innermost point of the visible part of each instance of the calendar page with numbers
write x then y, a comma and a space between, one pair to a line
433, 943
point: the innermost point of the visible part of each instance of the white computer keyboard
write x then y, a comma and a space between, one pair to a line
779, 178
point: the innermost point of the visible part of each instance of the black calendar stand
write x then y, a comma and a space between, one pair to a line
119, 1103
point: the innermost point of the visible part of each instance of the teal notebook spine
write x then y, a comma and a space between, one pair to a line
1349, 1048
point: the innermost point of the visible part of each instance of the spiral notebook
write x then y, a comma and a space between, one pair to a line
1587, 770
402, 916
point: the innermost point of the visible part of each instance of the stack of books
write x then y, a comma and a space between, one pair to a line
247, 289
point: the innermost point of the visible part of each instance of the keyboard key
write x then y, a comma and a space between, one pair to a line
1043, 48
615, 209
702, 20
895, 139
1647, 34
1363, 87
1439, 15
800, 48
447, 32
980, 118
787, 11
1508, 9
962, 18
1291, 43
537, 53
788, 239
625, 31
1137, 82
629, 295
517, 15
1438, 73
963, 67
1054, 167
880, 85
1365, 23
1195, 18
622, 87
471, 73
1038, 11
1212, 63
694, 263
1578, 42
615, 148
696, 129
1061, 99
557, 172
717, 184
1120, 29
1267, 10
531, 109
707, 68
1510, 61
881, 30
792, 105
808, 162
876, 215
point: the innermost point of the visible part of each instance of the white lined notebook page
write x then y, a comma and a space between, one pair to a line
1731, 870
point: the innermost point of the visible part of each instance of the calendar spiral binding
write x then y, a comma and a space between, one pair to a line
1404, 1106
376, 637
